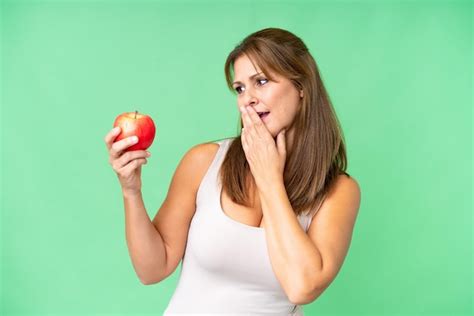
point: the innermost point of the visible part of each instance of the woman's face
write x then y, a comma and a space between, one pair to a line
281, 98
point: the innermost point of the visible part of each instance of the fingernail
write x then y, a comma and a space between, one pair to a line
134, 139
116, 129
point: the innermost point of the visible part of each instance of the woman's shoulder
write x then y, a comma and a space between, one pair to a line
221, 140
203, 153
211, 147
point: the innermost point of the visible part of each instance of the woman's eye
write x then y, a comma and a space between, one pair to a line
237, 89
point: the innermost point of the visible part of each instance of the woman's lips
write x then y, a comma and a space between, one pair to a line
264, 117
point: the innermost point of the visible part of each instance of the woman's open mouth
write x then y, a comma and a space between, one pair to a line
263, 115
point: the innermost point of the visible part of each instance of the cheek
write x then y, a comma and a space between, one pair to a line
286, 111
282, 103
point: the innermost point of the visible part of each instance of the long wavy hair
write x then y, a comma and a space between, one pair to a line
318, 153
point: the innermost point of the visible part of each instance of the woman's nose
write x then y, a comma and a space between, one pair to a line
250, 99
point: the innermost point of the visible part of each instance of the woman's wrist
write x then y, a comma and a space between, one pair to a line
131, 193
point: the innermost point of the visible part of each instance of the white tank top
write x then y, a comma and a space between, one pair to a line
226, 269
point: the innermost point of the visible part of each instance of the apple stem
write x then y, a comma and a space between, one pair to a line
136, 114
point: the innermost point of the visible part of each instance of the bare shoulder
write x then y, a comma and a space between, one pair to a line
344, 189
201, 156
193, 166
343, 185
204, 150
345, 182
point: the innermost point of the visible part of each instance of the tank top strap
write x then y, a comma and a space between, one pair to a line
223, 146
219, 159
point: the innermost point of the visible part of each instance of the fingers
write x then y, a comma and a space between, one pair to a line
255, 121
127, 170
252, 122
109, 138
121, 145
243, 113
117, 158
115, 148
126, 158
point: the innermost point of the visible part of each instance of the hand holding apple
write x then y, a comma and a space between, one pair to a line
126, 156
140, 125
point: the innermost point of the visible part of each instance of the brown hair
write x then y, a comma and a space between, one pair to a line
318, 153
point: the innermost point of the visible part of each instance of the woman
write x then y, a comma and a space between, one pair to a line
262, 222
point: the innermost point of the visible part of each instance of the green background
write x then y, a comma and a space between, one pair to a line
398, 73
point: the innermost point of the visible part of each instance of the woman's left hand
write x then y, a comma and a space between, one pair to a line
265, 157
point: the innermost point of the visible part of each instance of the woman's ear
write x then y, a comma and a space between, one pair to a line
301, 93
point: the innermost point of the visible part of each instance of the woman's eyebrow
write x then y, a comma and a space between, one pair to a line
251, 77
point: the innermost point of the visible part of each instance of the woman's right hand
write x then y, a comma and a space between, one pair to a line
127, 165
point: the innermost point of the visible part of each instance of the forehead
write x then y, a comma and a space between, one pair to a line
244, 67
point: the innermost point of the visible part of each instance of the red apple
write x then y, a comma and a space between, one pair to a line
140, 125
